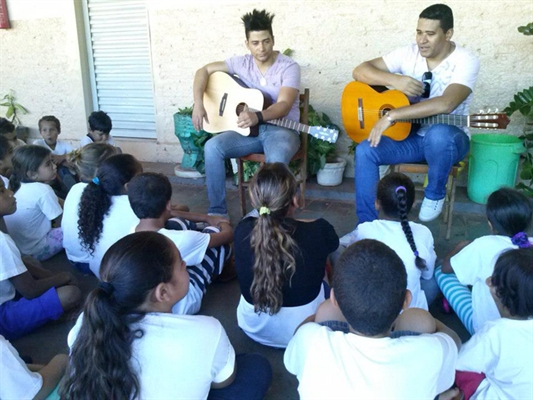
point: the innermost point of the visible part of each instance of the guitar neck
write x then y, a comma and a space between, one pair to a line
448, 119
287, 123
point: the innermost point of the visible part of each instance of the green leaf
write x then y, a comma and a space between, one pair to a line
10, 111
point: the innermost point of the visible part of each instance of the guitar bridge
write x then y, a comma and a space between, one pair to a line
360, 115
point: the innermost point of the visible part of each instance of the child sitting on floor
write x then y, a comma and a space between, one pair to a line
35, 226
50, 128
85, 161
100, 126
127, 344
509, 213
411, 241
500, 354
204, 252
369, 291
6, 165
280, 261
8, 130
42, 295
21, 381
104, 213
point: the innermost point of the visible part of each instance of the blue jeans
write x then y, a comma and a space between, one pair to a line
278, 144
441, 147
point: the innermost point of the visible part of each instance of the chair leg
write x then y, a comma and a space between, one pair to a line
447, 198
240, 182
450, 211
302, 194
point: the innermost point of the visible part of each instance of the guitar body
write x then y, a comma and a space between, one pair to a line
224, 98
362, 106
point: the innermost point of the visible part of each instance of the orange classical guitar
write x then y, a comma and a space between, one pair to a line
363, 105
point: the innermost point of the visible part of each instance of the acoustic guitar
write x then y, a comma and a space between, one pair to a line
227, 96
363, 105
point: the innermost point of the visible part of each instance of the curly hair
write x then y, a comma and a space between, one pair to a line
273, 188
95, 201
396, 195
100, 362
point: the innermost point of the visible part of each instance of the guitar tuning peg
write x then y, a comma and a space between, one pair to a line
496, 110
481, 111
489, 111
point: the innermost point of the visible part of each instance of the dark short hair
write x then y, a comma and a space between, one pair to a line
149, 194
509, 211
440, 12
513, 280
100, 121
370, 284
5, 147
6, 126
257, 21
51, 118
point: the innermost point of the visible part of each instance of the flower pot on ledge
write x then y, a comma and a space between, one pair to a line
332, 173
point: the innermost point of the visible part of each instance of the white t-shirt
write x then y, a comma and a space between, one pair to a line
69, 225
278, 329
37, 206
191, 244
503, 351
178, 356
473, 265
10, 266
119, 221
16, 380
391, 233
61, 149
87, 140
336, 365
6, 181
460, 67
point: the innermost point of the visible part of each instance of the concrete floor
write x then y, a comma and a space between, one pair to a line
333, 204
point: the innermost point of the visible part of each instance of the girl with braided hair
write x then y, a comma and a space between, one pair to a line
509, 214
280, 261
412, 242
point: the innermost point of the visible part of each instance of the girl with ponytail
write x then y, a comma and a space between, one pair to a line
412, 242
104, 212
127, 344
509, 215
280, 261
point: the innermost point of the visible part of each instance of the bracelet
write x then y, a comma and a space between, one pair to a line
392, 122
259, 117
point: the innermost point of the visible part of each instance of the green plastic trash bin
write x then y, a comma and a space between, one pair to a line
493, 163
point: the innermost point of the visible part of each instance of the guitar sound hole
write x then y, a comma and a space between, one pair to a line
240, 108
384, 109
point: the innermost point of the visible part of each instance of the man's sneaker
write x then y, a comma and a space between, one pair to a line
225, 216
349, 238
430, 209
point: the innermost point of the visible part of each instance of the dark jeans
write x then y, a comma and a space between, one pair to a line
252, 379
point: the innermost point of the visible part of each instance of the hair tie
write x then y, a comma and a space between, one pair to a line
264, 210
106, 287
399, 188
96, 180
521, 240
415, 253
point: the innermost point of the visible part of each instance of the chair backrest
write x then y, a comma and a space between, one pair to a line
304, 119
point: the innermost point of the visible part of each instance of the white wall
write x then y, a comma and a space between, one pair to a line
40, 55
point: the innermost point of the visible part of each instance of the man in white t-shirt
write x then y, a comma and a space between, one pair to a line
453, 72
364, 360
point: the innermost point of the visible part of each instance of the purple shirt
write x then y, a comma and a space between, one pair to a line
284, 72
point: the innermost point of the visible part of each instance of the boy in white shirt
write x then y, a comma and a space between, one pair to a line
204, 252
369, 291
100, 126
500, 354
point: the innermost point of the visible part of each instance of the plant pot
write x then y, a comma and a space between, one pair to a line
332, 173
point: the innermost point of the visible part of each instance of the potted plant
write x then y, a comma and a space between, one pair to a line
14, 109
523, 103
322, 158
192, 142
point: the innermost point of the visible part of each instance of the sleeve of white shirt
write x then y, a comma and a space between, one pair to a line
191, 244
224, 357
449, 358
431, 259
465, 264
12, 264
299, 346
49, 204
466, 71
16, 380
396, 58
477, 354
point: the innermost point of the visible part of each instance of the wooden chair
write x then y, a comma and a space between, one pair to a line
300, 155
449, 199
